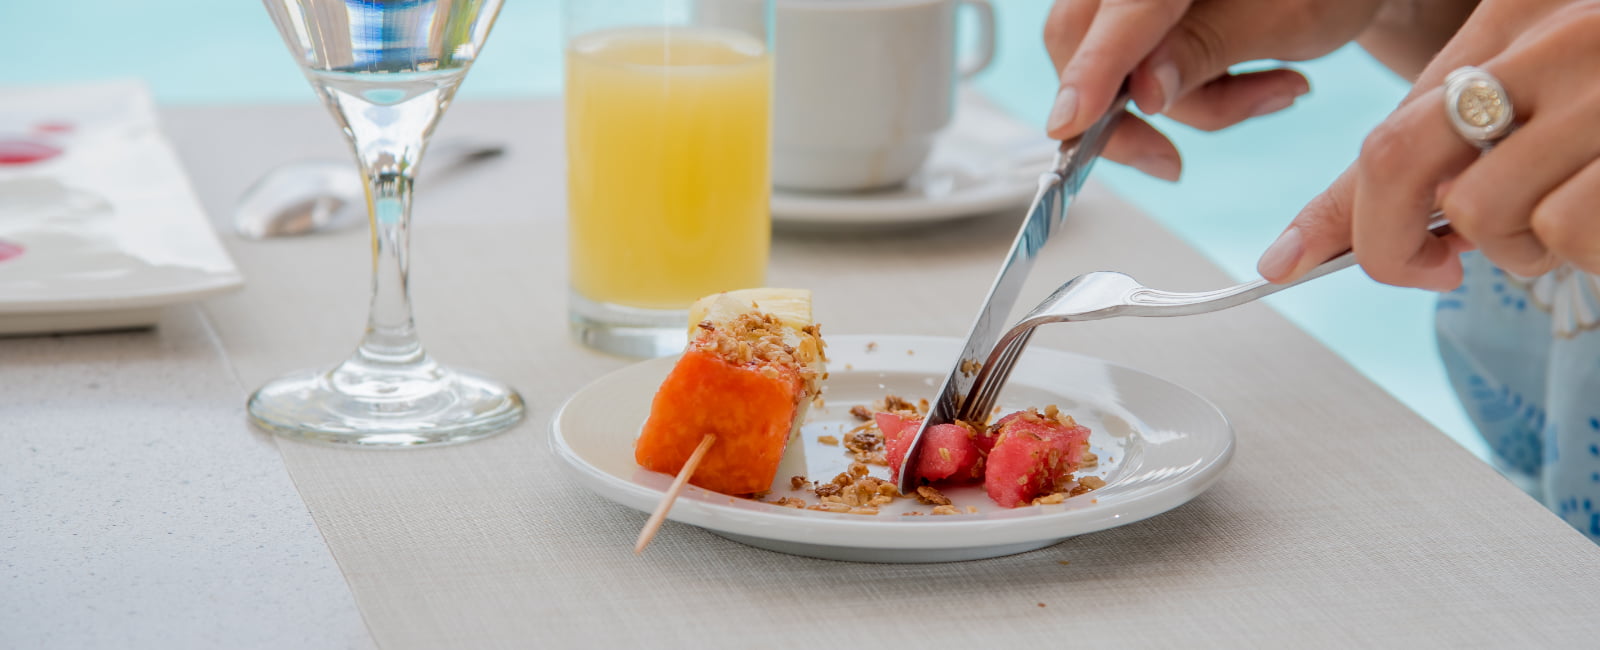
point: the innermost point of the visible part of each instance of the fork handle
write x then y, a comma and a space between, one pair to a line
1157, 303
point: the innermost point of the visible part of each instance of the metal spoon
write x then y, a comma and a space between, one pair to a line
306, 196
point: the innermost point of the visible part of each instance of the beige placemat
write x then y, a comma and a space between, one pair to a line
1345, 519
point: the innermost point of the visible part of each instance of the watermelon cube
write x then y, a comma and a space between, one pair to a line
950, 451
1032, 456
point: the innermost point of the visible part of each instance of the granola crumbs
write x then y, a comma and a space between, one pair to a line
872, 345
789, 502
1089, 461
972, 510
1088, 483
861, 412
945, 510
913, 513
896, 404
929, 495
1050, 499
798, 482
970, 367
828, 440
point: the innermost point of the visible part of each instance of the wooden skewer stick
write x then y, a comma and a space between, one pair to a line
660, 515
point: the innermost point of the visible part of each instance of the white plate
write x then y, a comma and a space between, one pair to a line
1159, 446
109, 231
985, 162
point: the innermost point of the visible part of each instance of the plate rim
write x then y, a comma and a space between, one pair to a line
826, 529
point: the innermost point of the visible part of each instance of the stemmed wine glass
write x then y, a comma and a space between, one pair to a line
387, 70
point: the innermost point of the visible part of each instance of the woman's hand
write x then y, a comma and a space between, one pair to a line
1176, 55
1528, 205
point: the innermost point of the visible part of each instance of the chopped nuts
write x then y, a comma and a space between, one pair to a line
929, 495
860, 411
798, 482
1050, 499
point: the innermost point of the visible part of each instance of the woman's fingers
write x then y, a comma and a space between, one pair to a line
1402, 164
1231, 99
1565, 220
1121, 34
1064, 28
1507, 202
1212, 36
1326, 225
1138, 145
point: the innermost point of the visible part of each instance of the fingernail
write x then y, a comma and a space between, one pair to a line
1166, 76
1272, 105
1065, 109
1302, 87
1160, 167
1282, 255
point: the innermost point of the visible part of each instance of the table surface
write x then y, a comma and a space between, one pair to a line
138, 509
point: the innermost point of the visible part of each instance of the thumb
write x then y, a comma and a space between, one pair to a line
1317, 234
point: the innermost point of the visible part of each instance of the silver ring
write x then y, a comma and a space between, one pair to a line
1478, 106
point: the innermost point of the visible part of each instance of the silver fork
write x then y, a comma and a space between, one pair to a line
1107, 294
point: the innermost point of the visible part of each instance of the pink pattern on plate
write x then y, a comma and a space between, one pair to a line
16, 151
9, 250
53, 127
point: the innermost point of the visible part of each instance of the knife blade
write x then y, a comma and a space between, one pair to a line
1057, 187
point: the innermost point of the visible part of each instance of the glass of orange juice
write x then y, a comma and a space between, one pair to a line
668, 125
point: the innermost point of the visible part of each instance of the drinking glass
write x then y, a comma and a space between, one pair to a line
668, 109
387, 70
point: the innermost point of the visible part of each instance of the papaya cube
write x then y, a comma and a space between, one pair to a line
750, 408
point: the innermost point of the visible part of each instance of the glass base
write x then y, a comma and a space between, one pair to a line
628, 331
365, 406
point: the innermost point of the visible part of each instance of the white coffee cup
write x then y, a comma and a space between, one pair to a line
864, 86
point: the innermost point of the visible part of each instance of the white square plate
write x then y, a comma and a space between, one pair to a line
107, 231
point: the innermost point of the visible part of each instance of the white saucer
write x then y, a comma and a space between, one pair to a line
108, 232
985, 162
1159, 446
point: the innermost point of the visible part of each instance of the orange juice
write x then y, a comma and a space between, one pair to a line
668, 139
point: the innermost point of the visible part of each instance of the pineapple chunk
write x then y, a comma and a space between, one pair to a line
791, 306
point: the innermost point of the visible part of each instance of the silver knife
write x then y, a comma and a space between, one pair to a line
1057, 188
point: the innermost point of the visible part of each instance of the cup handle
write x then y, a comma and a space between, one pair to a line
986, 36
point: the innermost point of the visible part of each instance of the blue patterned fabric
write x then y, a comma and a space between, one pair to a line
1524, 356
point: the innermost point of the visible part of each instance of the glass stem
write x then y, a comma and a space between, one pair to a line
391, 336
388, 129
388, 142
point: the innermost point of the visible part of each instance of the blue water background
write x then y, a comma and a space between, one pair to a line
1239, 189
